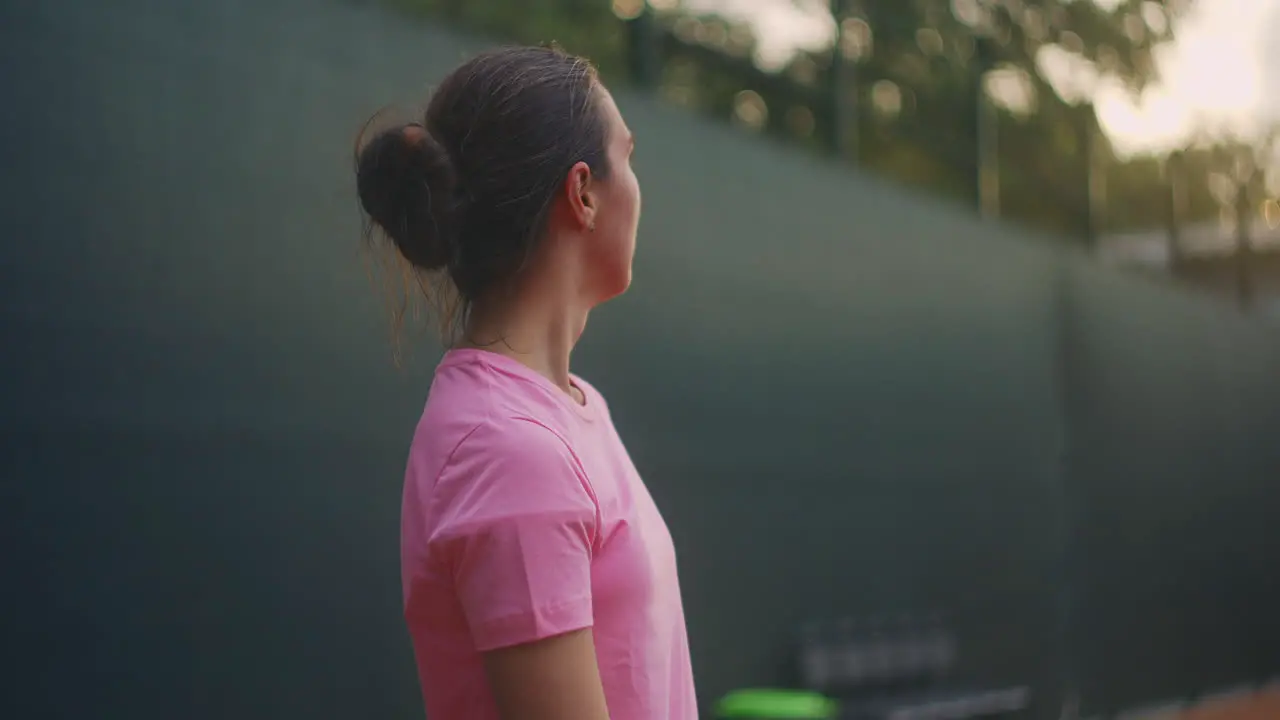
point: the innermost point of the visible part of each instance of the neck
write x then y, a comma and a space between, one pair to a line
537, 327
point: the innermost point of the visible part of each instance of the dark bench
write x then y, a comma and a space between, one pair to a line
896, 668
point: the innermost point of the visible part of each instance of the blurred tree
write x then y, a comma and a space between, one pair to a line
1038, 61
586, 27
912, 73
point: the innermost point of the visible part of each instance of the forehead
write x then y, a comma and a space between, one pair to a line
618, 130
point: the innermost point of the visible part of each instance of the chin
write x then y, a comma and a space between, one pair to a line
619, 284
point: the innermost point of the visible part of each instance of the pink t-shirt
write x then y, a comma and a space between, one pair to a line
524, 518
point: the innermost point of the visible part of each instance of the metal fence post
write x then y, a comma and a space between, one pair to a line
1175, 179
986, 145
1244, 245
1095, 175
644, 63
845, 130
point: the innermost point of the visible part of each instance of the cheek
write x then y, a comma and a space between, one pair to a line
624, 204
618, 247
633, 200
636, 195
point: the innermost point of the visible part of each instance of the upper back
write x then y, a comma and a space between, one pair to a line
524, 518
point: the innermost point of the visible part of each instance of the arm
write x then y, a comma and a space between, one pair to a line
518, 525
552, 679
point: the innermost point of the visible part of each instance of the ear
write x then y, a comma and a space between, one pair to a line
580, 196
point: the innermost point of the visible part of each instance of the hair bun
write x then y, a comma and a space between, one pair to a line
408, 186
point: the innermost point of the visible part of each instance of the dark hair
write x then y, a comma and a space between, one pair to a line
467, 189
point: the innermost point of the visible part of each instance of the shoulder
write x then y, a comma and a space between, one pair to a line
513, 464
517, 440
478, 408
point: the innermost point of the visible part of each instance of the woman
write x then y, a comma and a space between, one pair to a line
539, 578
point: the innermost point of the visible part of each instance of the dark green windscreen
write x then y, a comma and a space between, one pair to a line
846, 399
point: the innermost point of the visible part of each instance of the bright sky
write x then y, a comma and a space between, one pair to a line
1220, 73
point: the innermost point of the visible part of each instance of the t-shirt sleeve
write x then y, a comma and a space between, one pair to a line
516, 522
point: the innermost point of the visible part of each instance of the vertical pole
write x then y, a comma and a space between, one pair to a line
988, 135
845, 129
643, 56
1244, 248
1175, 171
1095, 176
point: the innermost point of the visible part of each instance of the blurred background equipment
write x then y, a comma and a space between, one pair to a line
881, 668
877, 355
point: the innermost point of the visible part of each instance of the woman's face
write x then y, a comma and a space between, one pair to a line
613, 242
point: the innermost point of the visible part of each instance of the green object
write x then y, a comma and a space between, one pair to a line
775, 705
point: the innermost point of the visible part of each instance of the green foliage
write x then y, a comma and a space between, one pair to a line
931, 49
928, 57
584, 27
